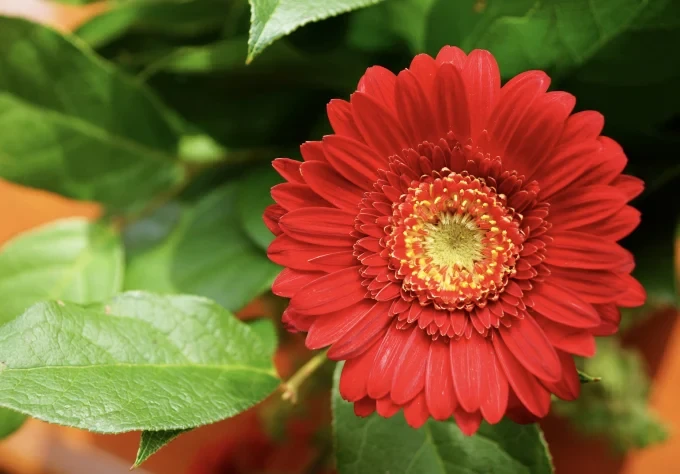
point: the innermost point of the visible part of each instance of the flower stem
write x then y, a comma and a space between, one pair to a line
292, 385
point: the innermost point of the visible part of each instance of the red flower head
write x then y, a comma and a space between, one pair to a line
455, 241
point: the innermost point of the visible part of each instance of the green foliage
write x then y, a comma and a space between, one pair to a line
140, 341
10, 421
69, 260
375, 444
272, 19
152, 441
207, 253
615, 407
73, 125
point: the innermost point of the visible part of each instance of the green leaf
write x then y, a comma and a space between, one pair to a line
254, 197
170, 17
10, 421
375, 444
71, 124
525, 35
207, 254
615, 407
69, 260
266, 331
152, 441
139, 362
273, 19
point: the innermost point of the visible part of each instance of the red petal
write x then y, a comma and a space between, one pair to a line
615, 227
271, 218
363, 335
635, 295
289, 170
293, 196
409, 376
413, 109
610, 162
582, 126
593, 286
424, 68
378, 125
355, 375
330, 293
451, 54
380, 379
563, 306
328, 328
611, 318
416, 413
522, 89
439, 390
483, 84
327, 183
386, 407
320, 225
290, 281
468, 423
572, 340
569, 386
567, 165
578, 207
529, 391
631, 186
379, 83
494, 385
451, 97
467, 371
353, 160
571, 249
341, 119
530, 346
312, 151
291, 253
364, 407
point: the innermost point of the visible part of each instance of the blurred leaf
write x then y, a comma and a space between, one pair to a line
375, 444
616, 407
207, 253
70, 260
254, 197
10, 421
73, 125
171, 17
379, 26
152, 441
273, 19
266, 331
183, 361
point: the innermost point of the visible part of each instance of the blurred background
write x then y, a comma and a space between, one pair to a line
192, 53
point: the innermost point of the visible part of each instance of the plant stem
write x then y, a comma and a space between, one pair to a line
292, 385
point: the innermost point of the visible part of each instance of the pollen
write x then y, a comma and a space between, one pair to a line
455, 241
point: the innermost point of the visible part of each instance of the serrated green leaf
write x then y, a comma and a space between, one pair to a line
139, 362
206, 254
152, 441
10, 421
71, 124
70, 260
254, 197
273, 19
171, 17
375, 444
616, 406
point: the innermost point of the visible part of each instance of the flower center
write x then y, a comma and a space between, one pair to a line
454, 241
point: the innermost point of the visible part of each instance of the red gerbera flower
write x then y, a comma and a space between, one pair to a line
455, 241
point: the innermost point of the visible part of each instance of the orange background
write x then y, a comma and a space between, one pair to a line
39, 448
